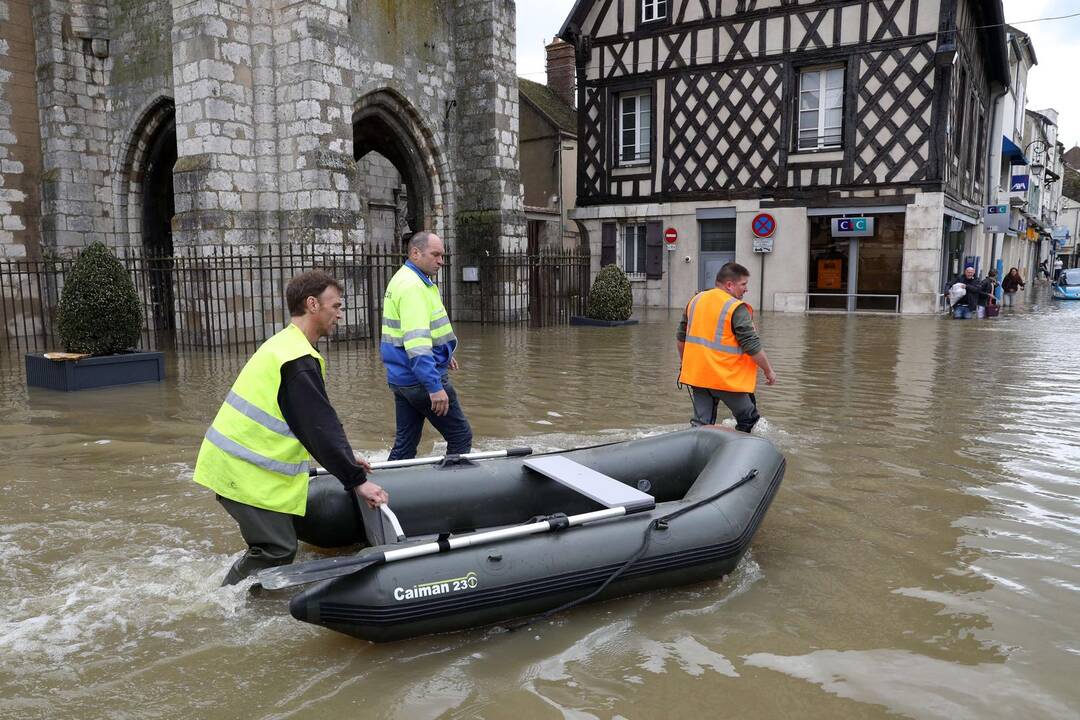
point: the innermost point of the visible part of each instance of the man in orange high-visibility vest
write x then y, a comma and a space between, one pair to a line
721, 351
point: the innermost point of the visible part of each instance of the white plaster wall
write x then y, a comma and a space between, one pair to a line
784, 283
921, 271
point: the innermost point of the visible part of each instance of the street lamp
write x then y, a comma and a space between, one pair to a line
1036, 163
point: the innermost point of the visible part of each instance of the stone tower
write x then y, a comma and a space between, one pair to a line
207, 123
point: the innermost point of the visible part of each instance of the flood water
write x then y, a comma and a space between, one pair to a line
922, 558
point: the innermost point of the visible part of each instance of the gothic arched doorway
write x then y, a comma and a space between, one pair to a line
158, 208
397, 162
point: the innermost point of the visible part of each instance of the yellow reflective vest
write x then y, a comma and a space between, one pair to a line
712, 357
417, 337
249, 454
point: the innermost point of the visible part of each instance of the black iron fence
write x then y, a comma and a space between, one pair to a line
223, 297
535, 289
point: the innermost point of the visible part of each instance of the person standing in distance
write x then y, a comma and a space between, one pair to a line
256, 454
417, 349
721, 351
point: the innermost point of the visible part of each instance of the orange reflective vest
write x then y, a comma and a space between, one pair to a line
712, 357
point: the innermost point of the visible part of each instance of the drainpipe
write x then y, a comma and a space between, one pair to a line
993, 173
558, 169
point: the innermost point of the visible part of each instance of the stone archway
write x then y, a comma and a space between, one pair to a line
147, 202
387, 130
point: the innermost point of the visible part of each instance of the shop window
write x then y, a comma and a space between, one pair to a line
821, 108
856, 273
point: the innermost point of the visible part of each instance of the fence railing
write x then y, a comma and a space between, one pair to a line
538, 289
223, 297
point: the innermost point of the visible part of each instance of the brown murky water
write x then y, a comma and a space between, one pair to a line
922, 558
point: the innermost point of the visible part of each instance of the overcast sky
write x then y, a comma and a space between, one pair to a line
1052, 83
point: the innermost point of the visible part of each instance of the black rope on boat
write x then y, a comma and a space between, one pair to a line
660, 523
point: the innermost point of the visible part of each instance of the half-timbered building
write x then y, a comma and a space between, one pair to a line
698, 116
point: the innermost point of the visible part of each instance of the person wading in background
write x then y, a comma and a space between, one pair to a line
256, 454
721, 351
417, 349
1010, 284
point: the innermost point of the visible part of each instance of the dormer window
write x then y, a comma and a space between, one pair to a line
652, 10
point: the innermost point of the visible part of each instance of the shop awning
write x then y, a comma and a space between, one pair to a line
1012, 151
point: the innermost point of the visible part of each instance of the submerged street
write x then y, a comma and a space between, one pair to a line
921, 559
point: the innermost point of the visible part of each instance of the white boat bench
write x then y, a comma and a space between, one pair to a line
594, 485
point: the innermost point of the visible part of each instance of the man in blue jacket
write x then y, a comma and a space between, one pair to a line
417, 349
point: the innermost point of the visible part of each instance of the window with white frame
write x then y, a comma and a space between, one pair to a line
821, 108
635, 126
634, 250
653, 10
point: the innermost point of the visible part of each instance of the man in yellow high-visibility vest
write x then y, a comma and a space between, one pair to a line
277, 415
721, 352
417, 349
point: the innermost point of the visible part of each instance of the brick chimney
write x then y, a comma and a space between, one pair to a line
561, 69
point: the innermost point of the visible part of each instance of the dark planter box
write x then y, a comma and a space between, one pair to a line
582, 320
94, 372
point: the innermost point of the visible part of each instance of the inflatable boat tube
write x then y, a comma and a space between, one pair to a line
686, 477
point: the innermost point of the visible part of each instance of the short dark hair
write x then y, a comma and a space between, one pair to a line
419, 240
731, 272
309, 284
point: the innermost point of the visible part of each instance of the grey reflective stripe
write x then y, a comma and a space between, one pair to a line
415, 334
690, 312
258, 415
715, 343
732, 350
436, 324
422, 350
395, 341
237, 450
396, 324
445, 339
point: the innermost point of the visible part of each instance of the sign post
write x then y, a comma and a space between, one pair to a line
763, 226
671, 236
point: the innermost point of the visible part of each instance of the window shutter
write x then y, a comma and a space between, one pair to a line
654, 250
607, 244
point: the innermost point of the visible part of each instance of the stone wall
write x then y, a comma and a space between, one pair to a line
140, 98
20, 134
380, 185
266, 97
73, 68
490, 211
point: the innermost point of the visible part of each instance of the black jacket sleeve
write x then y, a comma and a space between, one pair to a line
306, 407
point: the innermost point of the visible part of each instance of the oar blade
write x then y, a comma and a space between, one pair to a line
303, 573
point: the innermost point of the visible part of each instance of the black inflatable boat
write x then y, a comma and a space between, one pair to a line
486, 542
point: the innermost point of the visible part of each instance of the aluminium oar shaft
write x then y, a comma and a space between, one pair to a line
412, 462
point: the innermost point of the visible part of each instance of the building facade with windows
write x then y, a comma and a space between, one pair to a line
859, 126
548, 151
1014, 247
1041, 205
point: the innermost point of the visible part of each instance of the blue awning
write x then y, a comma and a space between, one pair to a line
1010, 150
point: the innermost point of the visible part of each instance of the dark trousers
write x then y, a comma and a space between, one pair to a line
743, 407
412, 405
271, 539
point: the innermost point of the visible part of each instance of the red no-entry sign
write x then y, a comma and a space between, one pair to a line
671, 235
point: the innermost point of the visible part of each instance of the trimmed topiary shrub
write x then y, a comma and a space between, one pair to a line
99, 310
610, 297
